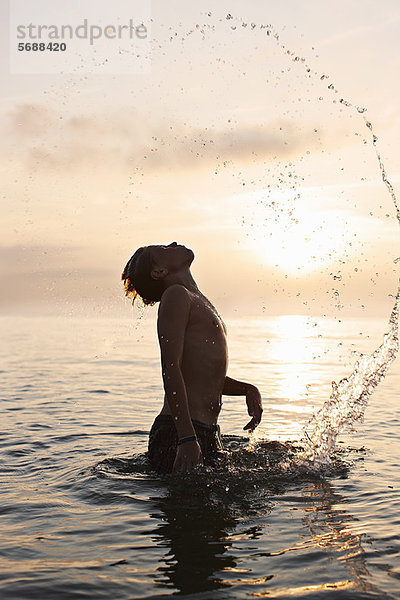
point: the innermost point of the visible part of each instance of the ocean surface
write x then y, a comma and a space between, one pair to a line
83, 516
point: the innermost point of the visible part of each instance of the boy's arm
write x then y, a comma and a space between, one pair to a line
173, 317
232, 387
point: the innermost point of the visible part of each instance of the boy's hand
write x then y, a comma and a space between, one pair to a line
188, 456
254, 407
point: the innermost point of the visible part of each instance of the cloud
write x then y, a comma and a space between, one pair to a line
242, 144
23, 258
29, 121
53, 274
47, 140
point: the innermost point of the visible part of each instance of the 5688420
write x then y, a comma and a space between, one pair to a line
42, 46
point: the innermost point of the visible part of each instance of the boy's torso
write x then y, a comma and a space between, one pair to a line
204, 360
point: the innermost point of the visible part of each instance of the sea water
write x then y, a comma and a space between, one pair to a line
292, 512
84, 517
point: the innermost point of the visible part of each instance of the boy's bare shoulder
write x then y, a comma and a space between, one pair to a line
175, 307
176, 294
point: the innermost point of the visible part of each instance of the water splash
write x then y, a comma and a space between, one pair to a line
349, 397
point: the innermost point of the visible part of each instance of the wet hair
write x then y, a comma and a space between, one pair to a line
138, 280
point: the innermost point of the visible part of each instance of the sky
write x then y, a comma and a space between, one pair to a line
244, 138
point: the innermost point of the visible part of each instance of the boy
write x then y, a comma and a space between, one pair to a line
194, 359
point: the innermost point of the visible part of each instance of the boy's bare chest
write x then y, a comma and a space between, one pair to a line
204, 317
205, 341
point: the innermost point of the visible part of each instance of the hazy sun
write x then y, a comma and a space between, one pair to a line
299, 240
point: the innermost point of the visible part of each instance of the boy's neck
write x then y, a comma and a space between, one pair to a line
184, 278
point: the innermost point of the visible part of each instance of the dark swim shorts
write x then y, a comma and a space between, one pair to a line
163, 441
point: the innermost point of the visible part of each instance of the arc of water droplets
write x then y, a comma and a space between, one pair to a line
382, 169
360, 110
350, 396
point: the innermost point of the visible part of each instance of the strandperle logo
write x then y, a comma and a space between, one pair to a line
84, 31
59, 36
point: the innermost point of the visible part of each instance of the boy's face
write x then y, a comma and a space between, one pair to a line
173, 257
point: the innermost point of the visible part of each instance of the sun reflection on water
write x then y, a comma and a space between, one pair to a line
294, 350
